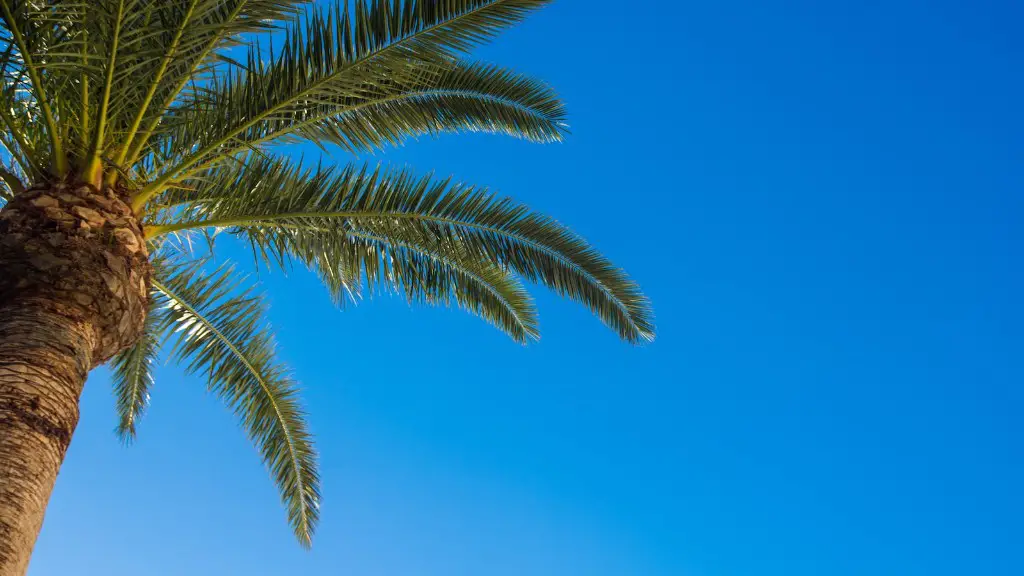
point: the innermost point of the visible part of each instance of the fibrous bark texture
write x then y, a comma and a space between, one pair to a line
74, 275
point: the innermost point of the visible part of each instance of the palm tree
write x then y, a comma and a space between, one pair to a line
136, 126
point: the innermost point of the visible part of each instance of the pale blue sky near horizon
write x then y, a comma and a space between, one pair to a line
823, 201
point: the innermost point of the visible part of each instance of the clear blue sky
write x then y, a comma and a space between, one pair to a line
823, 199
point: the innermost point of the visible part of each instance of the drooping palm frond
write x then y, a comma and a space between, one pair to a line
220, 334
133, 375
418, 268
287, 209
422, 273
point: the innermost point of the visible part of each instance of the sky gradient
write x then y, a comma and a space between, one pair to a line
822, 199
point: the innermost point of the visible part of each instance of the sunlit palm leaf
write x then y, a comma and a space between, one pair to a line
220, 333
418, 268
133, 375
195, 35
336, 55
270, 195
450, 97
458, 98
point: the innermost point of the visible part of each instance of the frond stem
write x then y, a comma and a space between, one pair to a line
133, 155
165, 62
85, 91
59, 158
93, 171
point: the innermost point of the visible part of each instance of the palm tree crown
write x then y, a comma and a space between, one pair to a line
177, 103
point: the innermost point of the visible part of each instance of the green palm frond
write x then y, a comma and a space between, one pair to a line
269, 197
31, 35
24, 137
450, 97
463, 97
420, 270
221, 334
333, 56
133, 375
154, 49
148, 91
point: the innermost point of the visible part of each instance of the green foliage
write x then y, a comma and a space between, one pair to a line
180, 103
219, 333
357, 63
133, 375
288, 210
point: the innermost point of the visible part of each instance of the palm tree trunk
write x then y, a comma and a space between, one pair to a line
74, 275
43, 363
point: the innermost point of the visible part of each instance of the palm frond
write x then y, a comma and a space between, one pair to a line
423, 271
463, 97
451, 97
25, 137
133, 375
221, 334
267, 196
113, 32
333, 56
30, 36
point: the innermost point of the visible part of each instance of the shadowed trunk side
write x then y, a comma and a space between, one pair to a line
74, 277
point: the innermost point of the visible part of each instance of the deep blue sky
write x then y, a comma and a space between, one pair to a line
823, 199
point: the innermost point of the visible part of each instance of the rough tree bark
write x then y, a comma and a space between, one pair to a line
74, 277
